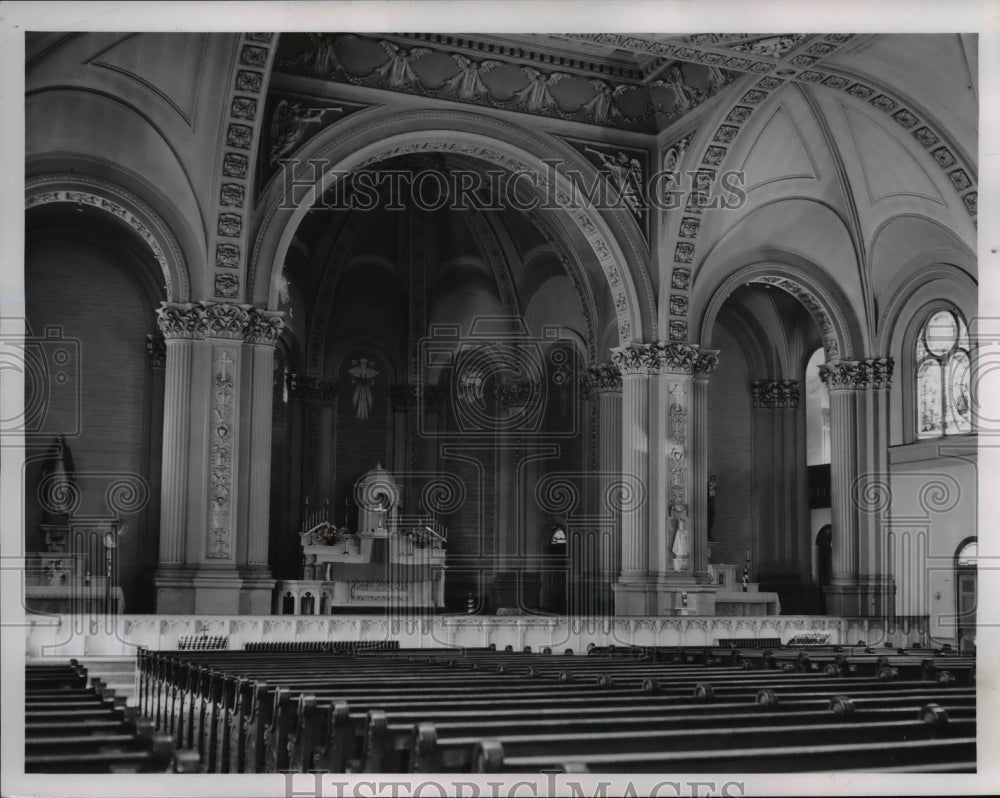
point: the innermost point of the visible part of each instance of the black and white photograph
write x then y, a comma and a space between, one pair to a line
562, 400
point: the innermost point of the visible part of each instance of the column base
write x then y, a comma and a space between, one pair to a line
200, 591
683, 595
257, 591
868, 597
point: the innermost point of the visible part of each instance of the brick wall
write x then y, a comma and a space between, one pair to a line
97, 299
729, 448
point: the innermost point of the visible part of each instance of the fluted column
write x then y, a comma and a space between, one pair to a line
177, 327
634, 460
859, 584
602, 385
261, 336
781, 552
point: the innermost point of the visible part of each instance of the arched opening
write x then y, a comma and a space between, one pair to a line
448, 344
817, 401
966, 591
95, 375
560, 554
824, 564
760, 411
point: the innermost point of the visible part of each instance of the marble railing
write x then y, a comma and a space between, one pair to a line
69, 636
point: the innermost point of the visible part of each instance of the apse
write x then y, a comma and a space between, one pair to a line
757, 424
447, 344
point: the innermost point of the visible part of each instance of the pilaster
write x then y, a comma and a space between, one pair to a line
602, 386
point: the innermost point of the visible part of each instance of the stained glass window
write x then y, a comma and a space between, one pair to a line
943, 405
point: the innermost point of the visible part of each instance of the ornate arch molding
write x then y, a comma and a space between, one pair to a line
616, 249
128, 209
822, 301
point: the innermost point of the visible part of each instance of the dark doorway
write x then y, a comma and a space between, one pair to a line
824, 564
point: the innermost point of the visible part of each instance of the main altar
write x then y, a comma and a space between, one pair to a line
386, 561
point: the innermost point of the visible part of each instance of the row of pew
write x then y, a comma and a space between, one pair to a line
623, 710
73, 724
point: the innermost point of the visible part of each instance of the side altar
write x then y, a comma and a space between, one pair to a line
388, 561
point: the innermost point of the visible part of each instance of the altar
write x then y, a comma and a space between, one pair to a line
387, 561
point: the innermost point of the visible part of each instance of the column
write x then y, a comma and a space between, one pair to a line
315, 398
859, 422
261, 336
602, 385
664, 448
177, 324
781, 498
216, 457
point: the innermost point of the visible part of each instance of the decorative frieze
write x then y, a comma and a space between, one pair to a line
874, 373
602, 378
220, 320
776, 394
665, 357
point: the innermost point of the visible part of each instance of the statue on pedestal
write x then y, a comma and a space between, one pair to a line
681, 547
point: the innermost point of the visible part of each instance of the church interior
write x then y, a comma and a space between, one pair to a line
602, 342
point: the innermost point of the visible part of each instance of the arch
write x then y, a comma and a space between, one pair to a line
966, 588
826, 304
128, 209
610, 240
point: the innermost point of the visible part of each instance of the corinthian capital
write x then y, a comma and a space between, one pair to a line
776, 394
602, 378
178, 321
223, 320
666, 357
264, 326
857, 375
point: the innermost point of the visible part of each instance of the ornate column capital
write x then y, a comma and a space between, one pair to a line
177, 320
665, 357
156, 348
219, 320
314, 390
857, 375
223, 320
776, 394
602, 378
264, 326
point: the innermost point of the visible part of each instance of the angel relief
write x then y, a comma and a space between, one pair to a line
625, 174
363, 376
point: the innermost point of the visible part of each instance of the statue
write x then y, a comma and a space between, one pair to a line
681, 547
57, 485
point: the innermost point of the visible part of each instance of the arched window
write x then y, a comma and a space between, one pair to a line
942, 363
